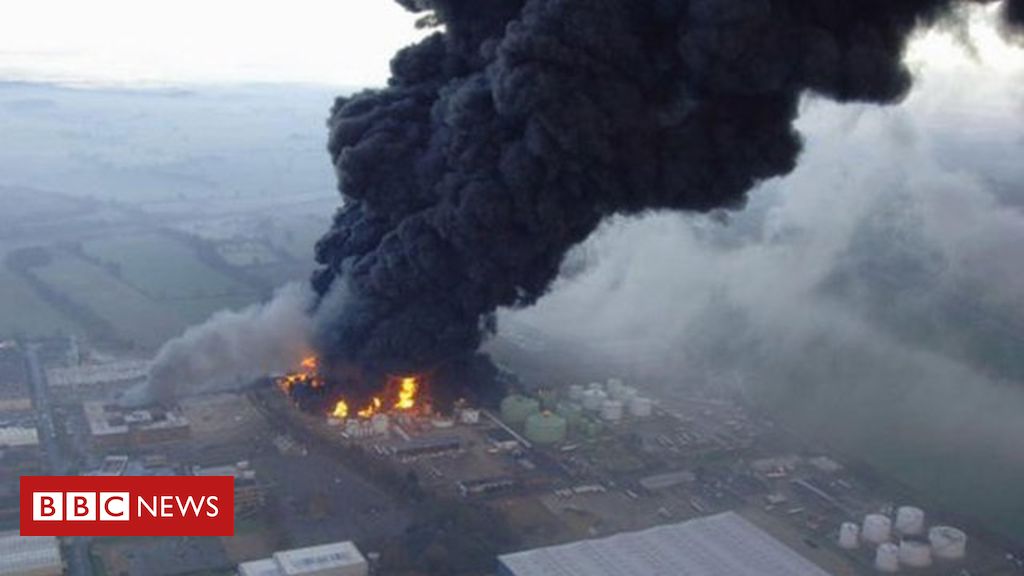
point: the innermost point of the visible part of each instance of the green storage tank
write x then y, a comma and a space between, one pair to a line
573, 414
546, 428
548, 398
592, 427
515, 409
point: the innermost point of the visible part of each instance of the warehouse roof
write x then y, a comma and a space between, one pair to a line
264, 567
317, 558
28, 554
15, 436
92, 374
336, 557
721, 545
667, 480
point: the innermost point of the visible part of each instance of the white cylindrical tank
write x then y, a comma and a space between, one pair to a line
353, 427
576, 392
611, 410
380, 423
469, 416
887, 558
948, 543
641, 407
915, 553
849, 535
909, 520
877, 528
593, 399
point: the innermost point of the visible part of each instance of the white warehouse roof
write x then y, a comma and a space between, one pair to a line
29, 554
264, 567
721, 545
335, 559
16, 436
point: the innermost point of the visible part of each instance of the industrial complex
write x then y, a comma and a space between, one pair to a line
594, 478
29, 555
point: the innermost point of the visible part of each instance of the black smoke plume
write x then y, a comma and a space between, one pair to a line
505, 139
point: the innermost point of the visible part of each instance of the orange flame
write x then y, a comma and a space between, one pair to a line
403, 398
407, 393
306, 375
370, 410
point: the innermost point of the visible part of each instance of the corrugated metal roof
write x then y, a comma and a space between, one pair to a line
21, 554
14, 436
317, 558
721, 545
264, 567
667, 480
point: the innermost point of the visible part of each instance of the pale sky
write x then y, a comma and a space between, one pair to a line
340, 42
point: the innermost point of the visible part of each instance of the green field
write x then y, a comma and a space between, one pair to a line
134, 317
22, 313
139, 288
164, 268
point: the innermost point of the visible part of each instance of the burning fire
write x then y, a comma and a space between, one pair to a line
400, 395
407, 390
371, 409
307, 375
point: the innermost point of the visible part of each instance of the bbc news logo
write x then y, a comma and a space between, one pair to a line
127, 506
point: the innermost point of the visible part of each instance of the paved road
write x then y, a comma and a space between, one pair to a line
56, 460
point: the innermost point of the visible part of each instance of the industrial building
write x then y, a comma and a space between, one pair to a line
418, 447
112, 426
13, 437
19, 456
14, 392
481, 486
249, 492
722, 545
18, 451
111, 374
29, 555
667, 480
335, 559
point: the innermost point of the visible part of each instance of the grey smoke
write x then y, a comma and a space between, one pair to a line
232, 348
874, 297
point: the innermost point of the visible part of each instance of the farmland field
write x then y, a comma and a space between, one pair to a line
163, 268
133, 316
22, 313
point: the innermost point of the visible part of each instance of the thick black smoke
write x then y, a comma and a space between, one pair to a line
504, 140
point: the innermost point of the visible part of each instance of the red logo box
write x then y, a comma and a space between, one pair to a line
127, 506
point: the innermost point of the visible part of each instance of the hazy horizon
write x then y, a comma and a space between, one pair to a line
124, 43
